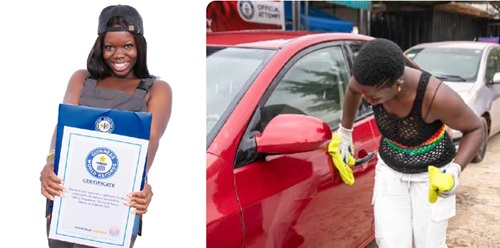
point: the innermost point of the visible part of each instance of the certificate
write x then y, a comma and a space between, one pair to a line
99, 170
100, 156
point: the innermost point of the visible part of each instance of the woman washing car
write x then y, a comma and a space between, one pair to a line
412, 111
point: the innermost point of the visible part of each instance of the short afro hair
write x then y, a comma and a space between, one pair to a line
379, 63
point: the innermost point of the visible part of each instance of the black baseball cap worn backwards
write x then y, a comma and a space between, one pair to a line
129, 13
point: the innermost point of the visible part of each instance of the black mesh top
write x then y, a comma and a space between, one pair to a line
409, 144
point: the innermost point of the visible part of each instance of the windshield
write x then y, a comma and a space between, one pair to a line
229, 73
448, 64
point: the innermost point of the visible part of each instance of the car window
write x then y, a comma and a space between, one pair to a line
229, 71
314, 85
355, 46
492, 65
448, 64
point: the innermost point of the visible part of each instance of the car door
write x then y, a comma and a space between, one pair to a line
492, 67
288, 200
223, 212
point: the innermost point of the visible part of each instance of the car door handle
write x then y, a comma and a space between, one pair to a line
364, 159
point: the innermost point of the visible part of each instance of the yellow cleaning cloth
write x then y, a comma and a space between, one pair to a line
438, 182
343, 169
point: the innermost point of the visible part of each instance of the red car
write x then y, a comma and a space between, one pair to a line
273, 99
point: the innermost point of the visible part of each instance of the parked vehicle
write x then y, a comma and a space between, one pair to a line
472, 69
273, 98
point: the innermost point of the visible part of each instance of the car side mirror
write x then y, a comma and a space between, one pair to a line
496, 78
293, 133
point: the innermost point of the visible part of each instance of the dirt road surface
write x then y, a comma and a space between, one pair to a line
477, 223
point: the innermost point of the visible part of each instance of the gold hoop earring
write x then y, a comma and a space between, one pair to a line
399, 88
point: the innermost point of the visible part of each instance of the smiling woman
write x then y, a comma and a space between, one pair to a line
46, 47
117, 77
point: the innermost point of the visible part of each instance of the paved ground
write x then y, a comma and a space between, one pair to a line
477, 223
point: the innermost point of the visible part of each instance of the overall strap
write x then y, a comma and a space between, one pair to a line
143, 87
89, 82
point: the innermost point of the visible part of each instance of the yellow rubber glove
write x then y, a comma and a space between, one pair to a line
343, 168
439, 182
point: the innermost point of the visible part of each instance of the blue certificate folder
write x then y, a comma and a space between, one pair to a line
122, 122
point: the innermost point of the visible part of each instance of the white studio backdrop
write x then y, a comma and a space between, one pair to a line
43, 43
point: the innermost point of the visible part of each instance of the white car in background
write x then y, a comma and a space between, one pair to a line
472, 69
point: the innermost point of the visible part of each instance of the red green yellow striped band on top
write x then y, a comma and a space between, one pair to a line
425, 147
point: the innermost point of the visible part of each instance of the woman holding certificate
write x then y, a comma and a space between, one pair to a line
116, 77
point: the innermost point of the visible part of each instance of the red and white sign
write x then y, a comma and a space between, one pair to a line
245, 15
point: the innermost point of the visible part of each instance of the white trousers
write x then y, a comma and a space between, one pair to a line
403, 214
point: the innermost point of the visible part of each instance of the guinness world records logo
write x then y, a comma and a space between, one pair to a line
101, 163
246, 9
104, 124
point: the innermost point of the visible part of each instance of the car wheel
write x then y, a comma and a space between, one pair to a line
482, 150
